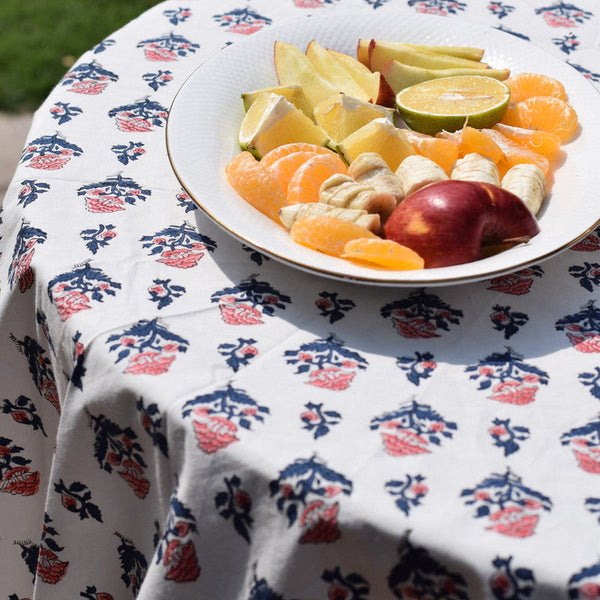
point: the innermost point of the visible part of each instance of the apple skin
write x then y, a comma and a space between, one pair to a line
448, 222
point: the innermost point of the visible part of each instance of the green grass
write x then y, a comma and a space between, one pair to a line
40, 39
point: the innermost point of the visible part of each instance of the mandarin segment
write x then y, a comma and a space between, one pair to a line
285, 167
382, 253
327, 234
515, 153
256, 184
543, 142
526, 85
476, 140
443, 151
306, 182
270, 157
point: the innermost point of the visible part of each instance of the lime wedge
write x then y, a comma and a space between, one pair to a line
450, 103
341, 115
272, 121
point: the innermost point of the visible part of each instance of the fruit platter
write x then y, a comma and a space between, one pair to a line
214, 147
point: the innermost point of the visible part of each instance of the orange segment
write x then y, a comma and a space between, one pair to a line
543, 142
285, 167
475, 140
544, 113
270, 157
327, 234
526, 85
514, 153
256, 184
383, 253
443, 151
305, 183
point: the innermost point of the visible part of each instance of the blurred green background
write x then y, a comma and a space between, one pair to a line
40, 40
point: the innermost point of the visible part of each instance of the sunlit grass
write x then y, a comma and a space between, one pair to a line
39, 40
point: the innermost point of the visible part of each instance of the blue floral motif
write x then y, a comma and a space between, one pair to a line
177, 15
88, 78
31, 191
63, 112
103, 46
582, 328
319, 421
167, 48
584, 441
239, 354
79, 356
49, 152
19, 270
592, 505
500, 9
152, 422
507, 321
159, 79
521, 36
511, 507
584, 583
592, 76
506, 436
134, 565
588, 275
592, 380
408, 492
98, 238
509, 583
24, 411
76, 498
149, 347
419, 575
186, 202
112, 194
242, 20
328, 363
563, 14
261, 591
163, 292
130, 152
304, 490
234, 503
510, 379
258, 257
331, 306
421, 315
568, 43
418, 368
141, 116
345, 587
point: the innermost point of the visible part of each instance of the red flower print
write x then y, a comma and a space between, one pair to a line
414, 328
513, 522
50, 392
513, 392
246, 28
308, 3
589, 591
132, 473
213, 432
133, 124
20, 480
331, 378
511, 284
70, 302
104, 203
401, 442
182, 258
160, 54
239, 313
68, 501
49, 568
24, 272
320, 522
149, 363
588, 459
48, 162
181, 563
585, 342
90, 88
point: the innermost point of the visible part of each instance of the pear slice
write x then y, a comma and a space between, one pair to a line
400, 76
331, 69
381, 52
294, 68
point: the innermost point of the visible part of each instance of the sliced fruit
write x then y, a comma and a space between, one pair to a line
443, 152
270, 157
273, 121
327, 234
451, 103
543, 142
382, 253
333, 71
468, 52
374, 84
400, 76
378, 136
380, 52
515, 153
294, 68
341, 115
307, 179
544, 113
293, 93
285, 167
475, 140
256, 184
526, 85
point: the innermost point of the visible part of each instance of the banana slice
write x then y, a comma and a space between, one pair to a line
369, 168
528, 182
289, 214
475, 167
417, 171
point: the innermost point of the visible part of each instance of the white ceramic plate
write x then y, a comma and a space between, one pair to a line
206, 113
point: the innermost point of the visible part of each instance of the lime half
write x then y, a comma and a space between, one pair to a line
450, 103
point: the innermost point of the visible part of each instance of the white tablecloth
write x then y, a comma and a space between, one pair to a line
183, 417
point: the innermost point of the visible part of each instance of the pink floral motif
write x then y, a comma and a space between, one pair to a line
586, 342
24, 272
588, 458
90, 88
401, 442
133, 124
49, 568
331, 378
100, 202
149, 363
70, 302
183, 258
514, 392
20, 480
319, 521
156, 54
240, 313
246, 28
180, 560
213, 431
48, 162
308, 3
133, 474
514, 522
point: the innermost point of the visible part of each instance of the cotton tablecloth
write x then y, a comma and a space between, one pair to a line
184, 417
